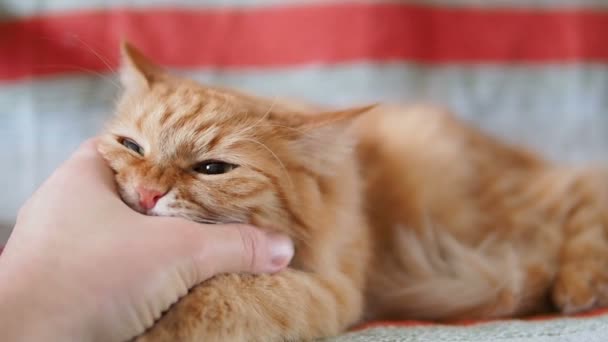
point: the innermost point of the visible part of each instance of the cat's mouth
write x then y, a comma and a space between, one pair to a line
202, 220
207, 221
186, 217
194, 217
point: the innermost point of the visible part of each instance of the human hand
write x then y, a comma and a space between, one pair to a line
81, 265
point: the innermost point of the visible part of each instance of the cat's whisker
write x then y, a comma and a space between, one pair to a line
78, 68
93, 51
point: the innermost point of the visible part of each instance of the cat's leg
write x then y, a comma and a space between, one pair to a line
289, 306
582, 279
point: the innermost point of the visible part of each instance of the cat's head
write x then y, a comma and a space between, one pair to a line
209, 155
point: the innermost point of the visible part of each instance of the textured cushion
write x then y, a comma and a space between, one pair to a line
590, 327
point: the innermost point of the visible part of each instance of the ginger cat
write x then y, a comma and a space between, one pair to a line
396, 212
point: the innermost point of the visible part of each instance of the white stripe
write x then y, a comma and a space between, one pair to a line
21, 8
560, 110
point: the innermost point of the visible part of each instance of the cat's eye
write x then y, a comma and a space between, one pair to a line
132, 145
214, 167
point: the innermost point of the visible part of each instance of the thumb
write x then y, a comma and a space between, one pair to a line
232, 248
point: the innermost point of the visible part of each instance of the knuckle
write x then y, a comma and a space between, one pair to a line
250, 247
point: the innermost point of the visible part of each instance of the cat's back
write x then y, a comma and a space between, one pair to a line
432, 135
421, 161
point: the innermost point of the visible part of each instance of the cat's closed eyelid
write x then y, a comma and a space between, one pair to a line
131, 144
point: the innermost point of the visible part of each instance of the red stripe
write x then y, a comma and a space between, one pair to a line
283, 36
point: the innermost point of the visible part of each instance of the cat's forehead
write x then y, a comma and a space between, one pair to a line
180, 101
183, 121
162, 106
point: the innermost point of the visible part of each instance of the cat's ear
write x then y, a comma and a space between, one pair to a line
324, 139
137, 71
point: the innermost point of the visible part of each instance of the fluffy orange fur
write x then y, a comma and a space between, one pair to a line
396, 212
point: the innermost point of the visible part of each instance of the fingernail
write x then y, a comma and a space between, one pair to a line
281, 250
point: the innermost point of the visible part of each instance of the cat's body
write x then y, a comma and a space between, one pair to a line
396, 212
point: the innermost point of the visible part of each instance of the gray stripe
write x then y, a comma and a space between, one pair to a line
558, 109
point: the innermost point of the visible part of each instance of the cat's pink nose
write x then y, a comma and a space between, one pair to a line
148, 197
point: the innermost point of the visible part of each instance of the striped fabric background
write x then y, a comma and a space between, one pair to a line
533, 71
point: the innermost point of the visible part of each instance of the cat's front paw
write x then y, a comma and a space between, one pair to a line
228, 307
580, 286
205, 314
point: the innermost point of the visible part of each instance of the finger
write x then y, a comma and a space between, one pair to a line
217, 249
243, 248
